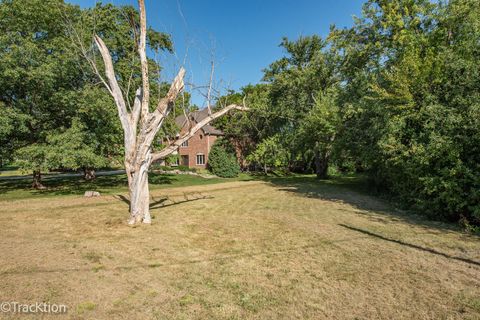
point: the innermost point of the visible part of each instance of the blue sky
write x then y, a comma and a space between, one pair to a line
243, 36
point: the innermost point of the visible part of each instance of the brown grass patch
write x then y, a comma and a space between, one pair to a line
237, 250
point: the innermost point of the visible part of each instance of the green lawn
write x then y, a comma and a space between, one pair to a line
7, 171
63, 186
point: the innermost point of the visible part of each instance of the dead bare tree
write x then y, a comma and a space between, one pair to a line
140, 126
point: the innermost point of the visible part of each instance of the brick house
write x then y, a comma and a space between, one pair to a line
194, 152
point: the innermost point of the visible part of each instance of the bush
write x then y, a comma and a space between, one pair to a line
158, 166
221, 163
185, 168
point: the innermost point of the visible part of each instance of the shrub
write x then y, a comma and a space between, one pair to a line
185, 168
221, 163
158, 166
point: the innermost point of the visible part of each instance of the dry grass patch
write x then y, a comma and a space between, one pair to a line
238, 250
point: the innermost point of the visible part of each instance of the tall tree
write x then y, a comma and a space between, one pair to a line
45, 85
141, 125
410, 95
38, 74
244, 130
306, 72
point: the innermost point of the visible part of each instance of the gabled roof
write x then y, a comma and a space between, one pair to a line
196, 117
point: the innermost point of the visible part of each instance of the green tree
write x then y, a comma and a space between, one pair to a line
46, 83
37, 73
318, 129
270, 154
75, 148
222, 163
244, 130
33, 158
307, 71
410, 102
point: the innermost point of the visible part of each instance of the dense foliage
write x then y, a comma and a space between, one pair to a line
221, 162
299, 91
53, 113
410, 104
396, 96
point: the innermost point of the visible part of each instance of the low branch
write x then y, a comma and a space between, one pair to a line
190, 133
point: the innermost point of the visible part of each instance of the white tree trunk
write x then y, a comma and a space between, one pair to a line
139, 192
139, 198
140, 126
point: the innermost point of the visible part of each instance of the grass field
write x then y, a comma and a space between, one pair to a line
291, 248
109, 184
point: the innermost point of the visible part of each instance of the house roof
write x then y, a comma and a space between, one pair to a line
196, 117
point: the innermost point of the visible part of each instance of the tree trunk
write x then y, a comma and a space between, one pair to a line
321, 164
139, 196
140, 126
89, 174
37, 180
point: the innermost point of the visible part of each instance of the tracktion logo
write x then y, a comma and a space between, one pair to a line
37, 307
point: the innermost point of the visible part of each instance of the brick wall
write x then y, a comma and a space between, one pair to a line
198, 144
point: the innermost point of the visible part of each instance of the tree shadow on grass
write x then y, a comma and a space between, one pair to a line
56, 186
355, 191
410, 245
168, 201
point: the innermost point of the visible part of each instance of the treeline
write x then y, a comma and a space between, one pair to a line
396, 96
54, 113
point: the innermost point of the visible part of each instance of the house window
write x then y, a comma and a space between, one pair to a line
184, 160
185, 144
200, 159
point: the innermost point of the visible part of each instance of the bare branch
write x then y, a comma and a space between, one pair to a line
127, 92
155, 120
185, 115
176, 143
176, 88
210, 88
137, 106
144, 63
78, 43
113, 84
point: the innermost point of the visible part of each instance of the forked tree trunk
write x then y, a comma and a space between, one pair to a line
140, 126
37, 180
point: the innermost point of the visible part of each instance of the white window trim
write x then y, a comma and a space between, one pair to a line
184, 144
196, 159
